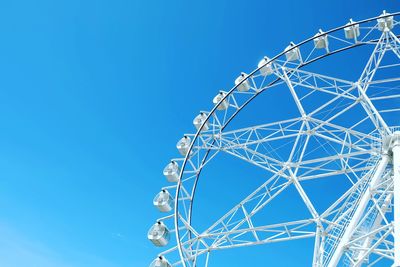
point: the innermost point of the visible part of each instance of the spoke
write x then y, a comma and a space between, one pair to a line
264, 145
372, 112
250, 205
366, 78
293, 175
293, 92
337, 150
280, 232
395, 44
287, 231
233, 227
306, 87
316, 82
373, 62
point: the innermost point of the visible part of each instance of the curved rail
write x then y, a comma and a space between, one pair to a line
231, 91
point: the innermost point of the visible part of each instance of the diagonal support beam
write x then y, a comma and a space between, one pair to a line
395, 45
373, 113
396, 180
359, 211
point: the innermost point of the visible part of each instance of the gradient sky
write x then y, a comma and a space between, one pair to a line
95, 94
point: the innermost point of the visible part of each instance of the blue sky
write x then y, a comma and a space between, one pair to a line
94, 96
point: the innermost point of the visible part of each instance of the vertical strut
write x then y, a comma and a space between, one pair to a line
359, 212
396, 181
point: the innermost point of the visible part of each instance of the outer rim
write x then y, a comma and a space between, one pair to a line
176, 205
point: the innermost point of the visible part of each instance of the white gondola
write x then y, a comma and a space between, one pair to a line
245, 85
385, 22
224, 104
172, 171
267, 69
321, 40
353, 31
160, 262
159, 234
183, 145
199, 120
163, 201
292, 55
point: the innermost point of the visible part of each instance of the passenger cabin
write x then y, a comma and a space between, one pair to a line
199, 120
159, 234
321, 40
163, 201
224, 104
243, 84
160, 262
171, 172
291, 53
265, 69
183, 145
352, 31
386, 22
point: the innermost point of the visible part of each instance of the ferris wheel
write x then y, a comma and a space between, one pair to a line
341, 126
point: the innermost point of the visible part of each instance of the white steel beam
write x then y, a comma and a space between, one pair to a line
372, 111
359, 212
396, 179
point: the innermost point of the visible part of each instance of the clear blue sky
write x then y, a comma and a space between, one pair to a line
94, 95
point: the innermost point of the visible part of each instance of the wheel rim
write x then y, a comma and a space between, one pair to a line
285, 70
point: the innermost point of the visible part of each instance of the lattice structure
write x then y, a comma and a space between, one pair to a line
344, 129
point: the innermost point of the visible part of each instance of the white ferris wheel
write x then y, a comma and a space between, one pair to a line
342, 127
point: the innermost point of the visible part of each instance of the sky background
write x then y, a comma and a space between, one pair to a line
94, 96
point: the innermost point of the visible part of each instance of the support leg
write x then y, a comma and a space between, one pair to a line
396, 208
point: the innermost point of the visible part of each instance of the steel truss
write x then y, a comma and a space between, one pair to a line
318, 143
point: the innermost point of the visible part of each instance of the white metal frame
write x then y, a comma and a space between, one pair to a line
366, 153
